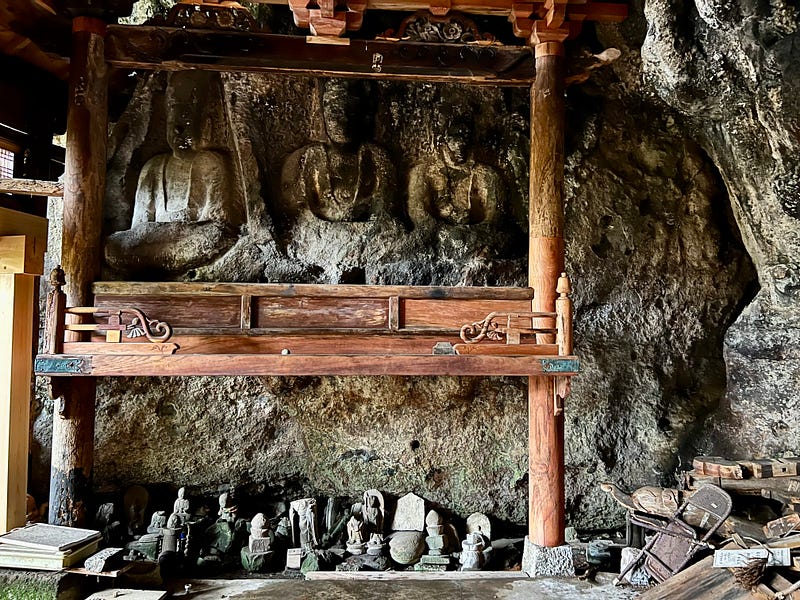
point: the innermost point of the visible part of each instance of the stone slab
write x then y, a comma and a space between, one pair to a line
410, 514
541, 561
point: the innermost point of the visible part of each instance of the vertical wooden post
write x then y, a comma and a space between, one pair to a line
17, 294
74, 413
545, 264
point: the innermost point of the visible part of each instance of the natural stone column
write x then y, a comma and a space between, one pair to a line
74, 412
546, 263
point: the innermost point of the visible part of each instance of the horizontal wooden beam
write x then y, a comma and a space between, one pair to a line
297, 365
312, 344
173, 49
31, 187
108, 289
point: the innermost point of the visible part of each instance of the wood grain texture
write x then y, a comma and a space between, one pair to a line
508, 349
174, 49
545, 465
17, 298
182, 311
73, 428
545, 264
276, 365
336, 313
147, 288
699, 582
452, 314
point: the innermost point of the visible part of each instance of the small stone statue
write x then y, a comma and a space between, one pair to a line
135, 500
227, 509
376, 545
373, 511
257, 555
355, 536
454, 189
303, 520
472, 558
223, 541
172, 538
436, 558
157, 522
181, 505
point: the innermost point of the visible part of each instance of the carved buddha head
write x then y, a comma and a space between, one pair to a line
343, 110
189, 98
456, 140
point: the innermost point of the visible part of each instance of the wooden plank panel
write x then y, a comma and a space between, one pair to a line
453, 314
227, 364
508, 349
21, 254
291, 290
372, 343
182, 311
334, 313
170, 48
16, 339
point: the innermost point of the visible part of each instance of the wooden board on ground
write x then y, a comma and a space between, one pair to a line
701, 581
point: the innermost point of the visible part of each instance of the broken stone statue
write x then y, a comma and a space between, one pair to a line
355, 536
257, 555
454, 189
303, 521
342, 179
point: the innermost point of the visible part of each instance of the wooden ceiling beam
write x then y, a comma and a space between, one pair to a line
172, 49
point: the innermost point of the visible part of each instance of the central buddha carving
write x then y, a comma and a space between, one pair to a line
342, 180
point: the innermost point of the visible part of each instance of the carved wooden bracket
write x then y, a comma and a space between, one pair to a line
560, 20
330, 18
208, 14
431, 27
492, 327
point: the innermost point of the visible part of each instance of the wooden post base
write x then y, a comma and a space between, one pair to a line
72, 454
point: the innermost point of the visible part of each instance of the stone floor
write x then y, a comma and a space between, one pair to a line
488, 587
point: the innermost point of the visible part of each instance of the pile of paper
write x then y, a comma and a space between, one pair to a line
47, 547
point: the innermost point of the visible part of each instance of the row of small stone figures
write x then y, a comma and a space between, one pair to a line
365, 533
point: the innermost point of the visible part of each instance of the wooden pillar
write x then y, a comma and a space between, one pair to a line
545, 264
74, 411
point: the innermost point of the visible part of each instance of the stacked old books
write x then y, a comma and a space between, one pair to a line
47, 547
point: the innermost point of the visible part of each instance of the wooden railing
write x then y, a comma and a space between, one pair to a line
225, 328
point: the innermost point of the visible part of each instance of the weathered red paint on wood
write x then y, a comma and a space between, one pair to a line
275, 364
545, 264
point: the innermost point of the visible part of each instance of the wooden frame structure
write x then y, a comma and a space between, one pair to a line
234, 329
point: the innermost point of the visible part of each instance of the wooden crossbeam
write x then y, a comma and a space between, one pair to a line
32, 187
173, 49
296, 365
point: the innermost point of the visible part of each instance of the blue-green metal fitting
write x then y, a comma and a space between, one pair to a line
62, 365
561, 365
